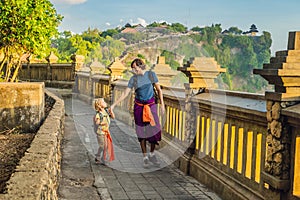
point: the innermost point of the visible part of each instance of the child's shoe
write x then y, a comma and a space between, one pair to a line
97, 160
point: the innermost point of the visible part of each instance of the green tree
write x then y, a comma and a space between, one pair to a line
111, 49
154, 24
196, 28
92, 35
62, 46
235, 30
26, 27
170, 59
109, 32
177, 27
210, 34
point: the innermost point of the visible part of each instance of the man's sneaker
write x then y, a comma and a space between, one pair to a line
146, 162
154, 160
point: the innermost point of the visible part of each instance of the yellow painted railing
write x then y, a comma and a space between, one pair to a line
238, 148
296, 187
231, 139
175, 125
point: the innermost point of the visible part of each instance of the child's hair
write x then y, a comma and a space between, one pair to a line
96, 103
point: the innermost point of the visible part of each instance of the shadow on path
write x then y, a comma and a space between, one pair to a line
123, 178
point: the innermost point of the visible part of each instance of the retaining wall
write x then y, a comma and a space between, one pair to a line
37, 175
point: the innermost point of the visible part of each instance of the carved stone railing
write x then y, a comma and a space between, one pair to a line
225, 135
53, 74
281, 168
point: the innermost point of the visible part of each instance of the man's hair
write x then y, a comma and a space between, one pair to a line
139, 63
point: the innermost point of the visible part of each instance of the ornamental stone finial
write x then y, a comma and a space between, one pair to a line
283, 71
202, 72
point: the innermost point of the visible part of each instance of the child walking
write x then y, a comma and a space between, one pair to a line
102, 122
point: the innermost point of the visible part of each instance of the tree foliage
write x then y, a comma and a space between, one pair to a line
235, 30
26, 28
236, 52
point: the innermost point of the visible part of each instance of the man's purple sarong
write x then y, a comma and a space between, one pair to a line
143, 129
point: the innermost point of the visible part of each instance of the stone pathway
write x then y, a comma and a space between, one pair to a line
124, 178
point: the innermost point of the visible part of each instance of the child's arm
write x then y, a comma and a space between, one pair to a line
111, 113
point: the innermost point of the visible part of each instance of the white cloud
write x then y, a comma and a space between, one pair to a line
162, 21
142, 22
71, 2
139, 21
107, 24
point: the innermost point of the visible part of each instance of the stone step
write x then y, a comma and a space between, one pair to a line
284, 89
285, 59
288, 53
288, 66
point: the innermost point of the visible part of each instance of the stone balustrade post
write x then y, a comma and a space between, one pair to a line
52, 58
283, 71
116, 68
202, 72
77, 63
97, 68
164, 72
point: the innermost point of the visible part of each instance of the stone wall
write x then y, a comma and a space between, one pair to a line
21, 105
38, 172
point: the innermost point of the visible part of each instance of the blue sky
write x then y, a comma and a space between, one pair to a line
275, 16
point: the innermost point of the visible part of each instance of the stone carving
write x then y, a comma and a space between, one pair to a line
202, 72
164, 72
284, 72
117, 69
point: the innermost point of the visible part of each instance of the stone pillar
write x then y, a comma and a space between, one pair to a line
202, 72
116, 69
164, 72
97, 68
52, 58
77, 61
283, 72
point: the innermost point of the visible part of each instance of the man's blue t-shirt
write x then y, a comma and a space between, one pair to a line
144, 90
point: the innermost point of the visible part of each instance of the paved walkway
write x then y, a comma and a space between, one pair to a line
124, 178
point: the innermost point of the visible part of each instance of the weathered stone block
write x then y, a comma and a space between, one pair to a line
21, 105
269, 116
276, 128
278, 157
277, 146
269, 105
276, 110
